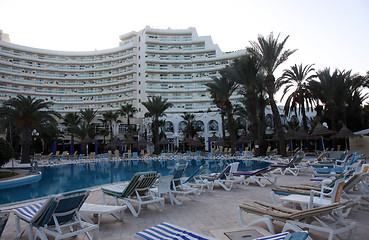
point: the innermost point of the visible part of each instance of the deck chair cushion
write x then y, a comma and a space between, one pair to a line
33, 212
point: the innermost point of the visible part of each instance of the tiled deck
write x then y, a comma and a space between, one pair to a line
213, 210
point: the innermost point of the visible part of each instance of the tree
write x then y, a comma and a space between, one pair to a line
246, 72
156, 107
109, 118
189, 118
71, 121
221, 90
270, 54
86, 128
295, 82
28, 113
6, 152
128, 111
332, 90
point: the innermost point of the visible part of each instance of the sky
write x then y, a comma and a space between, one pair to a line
327, 33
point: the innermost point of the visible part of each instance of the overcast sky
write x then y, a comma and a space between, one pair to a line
327, 33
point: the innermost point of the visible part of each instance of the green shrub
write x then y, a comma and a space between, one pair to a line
6, 152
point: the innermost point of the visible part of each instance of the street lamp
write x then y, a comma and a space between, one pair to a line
33, 162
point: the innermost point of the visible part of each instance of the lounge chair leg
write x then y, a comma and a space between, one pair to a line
132, 209
41, 235
265, 219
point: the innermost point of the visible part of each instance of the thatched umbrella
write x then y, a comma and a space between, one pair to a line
220, 142
344, 133
320, 131
301, 135
164, 141
195, 142
114, 143
129, 141
213, 138
142, 142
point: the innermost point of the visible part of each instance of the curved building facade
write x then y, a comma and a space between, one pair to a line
174, 64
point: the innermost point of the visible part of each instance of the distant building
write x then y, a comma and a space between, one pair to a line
174, 64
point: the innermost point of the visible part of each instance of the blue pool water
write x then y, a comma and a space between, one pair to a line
64, 178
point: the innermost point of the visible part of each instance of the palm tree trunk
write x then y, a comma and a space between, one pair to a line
304, 118
129, 125
155, 132
231, 130
276, 117
223, 127
25, 141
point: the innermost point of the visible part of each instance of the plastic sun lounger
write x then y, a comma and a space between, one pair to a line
179, 189
258, 175
299, 218
172, 232
56, 213
137, 191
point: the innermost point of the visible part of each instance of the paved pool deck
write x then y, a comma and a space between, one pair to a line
212, 211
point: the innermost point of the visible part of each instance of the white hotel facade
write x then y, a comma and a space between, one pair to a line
174, 64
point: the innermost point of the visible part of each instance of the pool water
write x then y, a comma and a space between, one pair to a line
64, 178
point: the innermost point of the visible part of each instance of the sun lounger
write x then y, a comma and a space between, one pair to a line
326, 196
4, 216
293, 166
258, 176
98, 209
323, 217
223, 178
194, 181
137, 191
55, 216
172, 232
179, 190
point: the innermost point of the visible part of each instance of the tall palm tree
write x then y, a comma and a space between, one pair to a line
128, 111
295, 82
221, 90
246, 72
87, 115
28, 113
334, 91
270, 53
156, 107
109, 118
71, 121
189, 118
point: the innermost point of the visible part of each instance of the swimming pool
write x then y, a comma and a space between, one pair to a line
64, 178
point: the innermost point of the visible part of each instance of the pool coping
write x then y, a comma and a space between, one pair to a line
16, 182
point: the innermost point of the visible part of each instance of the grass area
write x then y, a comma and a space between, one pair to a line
6, 174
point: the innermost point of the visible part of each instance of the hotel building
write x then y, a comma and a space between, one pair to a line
174, 64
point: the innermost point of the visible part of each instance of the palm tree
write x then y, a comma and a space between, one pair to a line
296, 80
109, 118
270, 54
334, 91
156, 107
246, 72
71, 121
87, 115
221, 90
128, 111
189, 118
28, 113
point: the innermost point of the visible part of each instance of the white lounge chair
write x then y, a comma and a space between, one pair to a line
179, 190
58, 216
172, 232
223, 178
137, 191
319, 219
